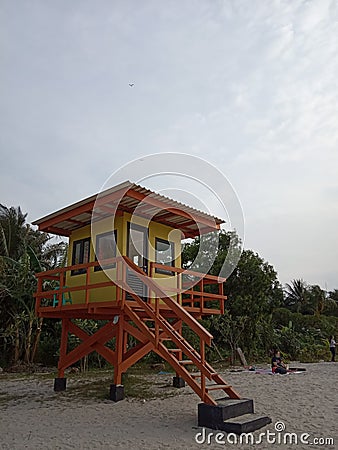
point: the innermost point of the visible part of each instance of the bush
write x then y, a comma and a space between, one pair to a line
304, 337
327, 325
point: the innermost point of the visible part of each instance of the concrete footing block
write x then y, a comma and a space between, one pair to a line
60, 384
178, 382
116, 392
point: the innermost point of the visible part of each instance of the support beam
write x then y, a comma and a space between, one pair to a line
105, 352
63, 346
119, 351
89, 344
178, 382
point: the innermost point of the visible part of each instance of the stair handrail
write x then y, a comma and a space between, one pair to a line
175, 306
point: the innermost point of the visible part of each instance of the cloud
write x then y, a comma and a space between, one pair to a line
249, 86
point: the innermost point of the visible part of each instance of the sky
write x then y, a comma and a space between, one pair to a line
249, 86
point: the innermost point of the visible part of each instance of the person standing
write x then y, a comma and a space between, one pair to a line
332, 348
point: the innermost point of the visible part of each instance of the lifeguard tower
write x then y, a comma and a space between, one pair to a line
124, 267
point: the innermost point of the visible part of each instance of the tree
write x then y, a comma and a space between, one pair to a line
12, 232
331, 307
214, 251
253, 290
320, 301
23, 251
296, 295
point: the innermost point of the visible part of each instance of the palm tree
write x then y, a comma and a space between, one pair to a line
321, 300
296, 294
12, 231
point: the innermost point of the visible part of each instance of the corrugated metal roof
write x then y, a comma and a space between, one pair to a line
153, 206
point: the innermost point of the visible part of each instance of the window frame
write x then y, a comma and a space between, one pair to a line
99, 268
82, 243
141, 229
172, 263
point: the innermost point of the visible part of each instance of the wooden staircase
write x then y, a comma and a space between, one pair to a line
162, 330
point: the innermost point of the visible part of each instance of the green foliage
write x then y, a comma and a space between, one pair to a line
303, 336
254, 318
23, 251
259, 316
253, 291
303, 323
309, 299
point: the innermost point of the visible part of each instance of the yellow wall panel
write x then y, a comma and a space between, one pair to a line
155, 230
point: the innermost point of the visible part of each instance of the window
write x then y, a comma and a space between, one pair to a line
81, 252
105, 249
164, 254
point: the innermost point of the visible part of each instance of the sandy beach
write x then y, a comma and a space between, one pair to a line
32, 416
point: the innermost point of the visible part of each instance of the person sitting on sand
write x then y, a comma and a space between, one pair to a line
277, 364
332, 348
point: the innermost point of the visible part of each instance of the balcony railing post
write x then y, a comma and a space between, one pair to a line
202, 296
61, 285
221, 292
87, 284
124, 280
118, 279
178, 286
151, 293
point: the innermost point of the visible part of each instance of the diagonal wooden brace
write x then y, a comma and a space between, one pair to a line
90, 343
106, 352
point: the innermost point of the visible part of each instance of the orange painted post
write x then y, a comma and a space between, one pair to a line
60, 293
151, 293
124, 279
125, 342
157, 329
119, 351
63, 347
178, 286
118, 288
221, 291
202, 296
87, 284
180, 354
202, 353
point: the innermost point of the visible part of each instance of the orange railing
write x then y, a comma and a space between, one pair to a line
191, 289
46, 291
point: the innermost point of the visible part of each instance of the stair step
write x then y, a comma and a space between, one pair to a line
185, 361
198, 374
215, 387
244, 424
174, 350
211, 416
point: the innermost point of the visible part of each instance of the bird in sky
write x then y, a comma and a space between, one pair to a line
131, 84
